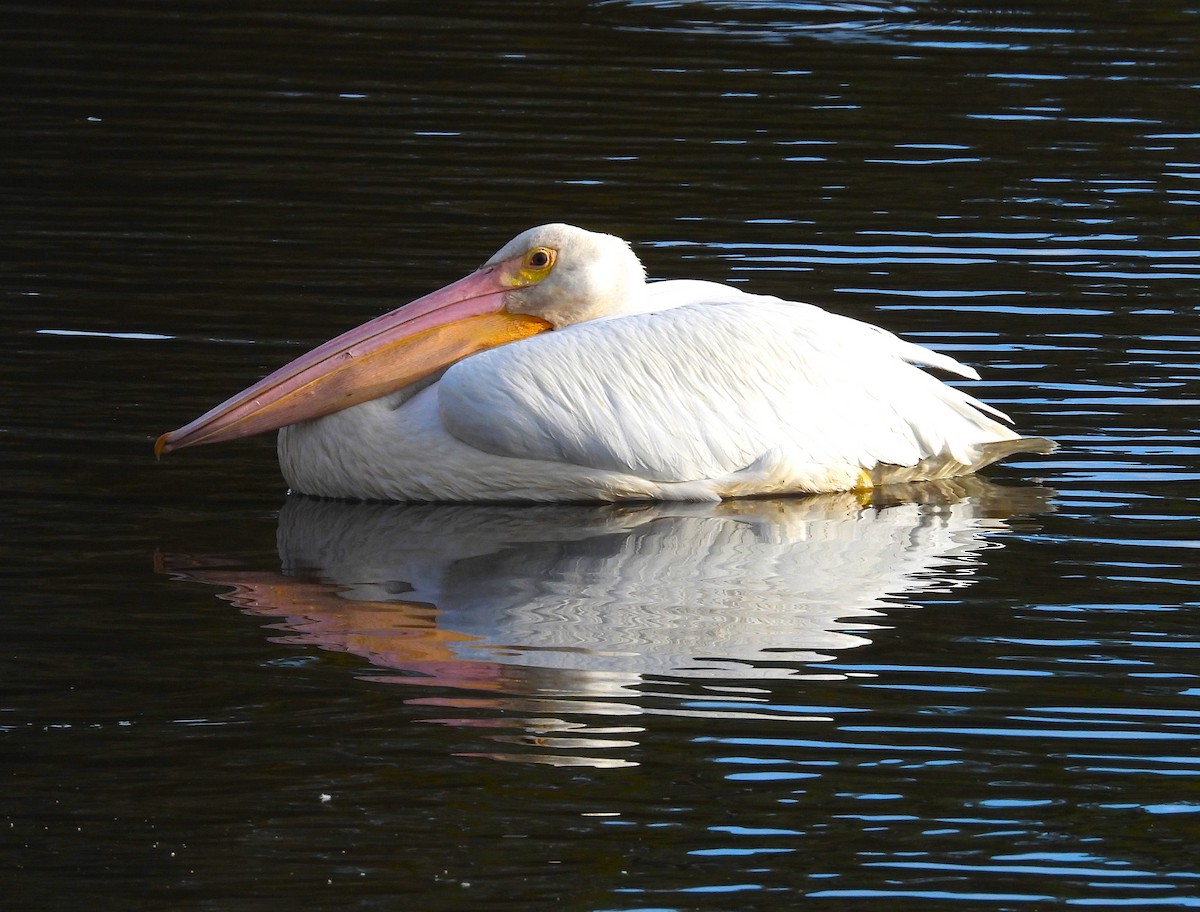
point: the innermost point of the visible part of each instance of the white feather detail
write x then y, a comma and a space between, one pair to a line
701, 390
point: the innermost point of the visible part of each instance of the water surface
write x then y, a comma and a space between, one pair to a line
978, 696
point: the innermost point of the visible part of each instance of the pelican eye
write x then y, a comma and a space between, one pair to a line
540, 258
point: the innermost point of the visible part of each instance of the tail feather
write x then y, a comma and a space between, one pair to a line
944, 465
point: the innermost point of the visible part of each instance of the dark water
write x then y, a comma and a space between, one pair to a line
983, 696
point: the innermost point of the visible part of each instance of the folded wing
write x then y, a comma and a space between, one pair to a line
708, 381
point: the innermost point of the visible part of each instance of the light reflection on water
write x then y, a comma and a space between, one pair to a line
193, 193
555, 608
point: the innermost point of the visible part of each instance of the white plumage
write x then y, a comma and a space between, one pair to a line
676, 390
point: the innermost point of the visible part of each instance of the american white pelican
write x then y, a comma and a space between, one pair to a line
555, 372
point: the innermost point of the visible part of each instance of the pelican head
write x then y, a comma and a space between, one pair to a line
546, 278
566, 275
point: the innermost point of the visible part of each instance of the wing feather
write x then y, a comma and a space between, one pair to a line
707, 381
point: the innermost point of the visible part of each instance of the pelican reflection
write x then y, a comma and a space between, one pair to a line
580, 611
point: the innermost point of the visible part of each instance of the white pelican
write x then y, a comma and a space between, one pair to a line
555, 372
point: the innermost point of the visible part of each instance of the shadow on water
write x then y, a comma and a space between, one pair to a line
550, 620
